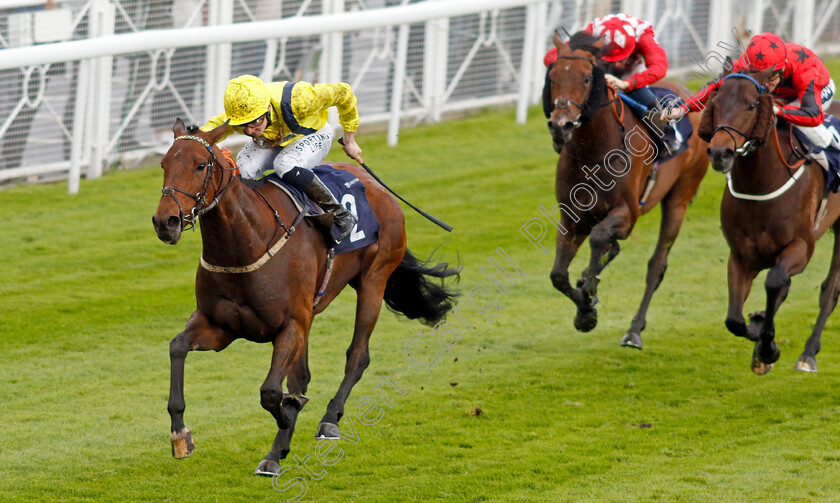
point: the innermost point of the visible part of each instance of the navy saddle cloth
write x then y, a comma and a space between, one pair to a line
351, 193
666, 97
831, 153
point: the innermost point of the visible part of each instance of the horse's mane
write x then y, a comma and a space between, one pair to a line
254, 184
585, 41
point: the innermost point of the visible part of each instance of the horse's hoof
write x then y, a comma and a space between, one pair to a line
586, 321
328, 430
806, 364
769, 355
758, 366
631, 340
182, 443
267, 468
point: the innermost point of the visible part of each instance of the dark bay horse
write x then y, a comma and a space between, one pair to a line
261, 269
602, 175
770, 212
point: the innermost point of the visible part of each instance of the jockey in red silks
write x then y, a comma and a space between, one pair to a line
799, 79
634, 60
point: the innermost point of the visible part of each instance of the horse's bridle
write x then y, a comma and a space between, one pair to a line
201, 204
558, 103
749, 143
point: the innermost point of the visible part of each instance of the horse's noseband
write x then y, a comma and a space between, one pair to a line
745, 149
749, 143
201, 207
564, 103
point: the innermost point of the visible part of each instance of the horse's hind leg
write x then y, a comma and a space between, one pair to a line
673, 213
792, 260
828, 301
293, 402
603, 242
289, 358
201, 336
368, 304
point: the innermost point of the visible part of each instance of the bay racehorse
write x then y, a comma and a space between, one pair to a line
772, 211
603, 175
260, 273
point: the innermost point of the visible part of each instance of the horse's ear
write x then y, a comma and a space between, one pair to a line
558, 40
765, 120
763, 76
179, 128
214, 135
727, 67
706, 128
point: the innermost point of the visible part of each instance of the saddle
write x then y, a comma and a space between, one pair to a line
350, 192
828, 158
682, 128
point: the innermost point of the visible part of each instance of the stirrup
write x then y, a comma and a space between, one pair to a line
344, 232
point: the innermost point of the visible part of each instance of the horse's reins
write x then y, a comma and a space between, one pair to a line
201, 206
188, 221
749, 146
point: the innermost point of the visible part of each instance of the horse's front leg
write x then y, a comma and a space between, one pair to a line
289, 359
603, 242
202, 336
792, 260
740, 280
569, 240
828, 300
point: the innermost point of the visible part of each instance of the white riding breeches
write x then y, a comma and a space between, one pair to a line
305, 152
821, 135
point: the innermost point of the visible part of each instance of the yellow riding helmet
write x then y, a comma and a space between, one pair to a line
246, 99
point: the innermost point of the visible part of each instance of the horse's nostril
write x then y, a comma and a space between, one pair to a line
173, 222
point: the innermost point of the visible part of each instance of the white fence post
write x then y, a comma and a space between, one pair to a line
332, 57
755, 17
720, 23
803, 22
435, 58
79, 109
526, 72
219, 12
102, 19
397, 85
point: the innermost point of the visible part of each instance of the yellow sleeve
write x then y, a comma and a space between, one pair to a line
308, 99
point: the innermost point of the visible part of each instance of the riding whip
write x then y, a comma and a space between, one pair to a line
401, 198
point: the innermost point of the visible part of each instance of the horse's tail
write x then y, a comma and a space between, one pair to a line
411, 291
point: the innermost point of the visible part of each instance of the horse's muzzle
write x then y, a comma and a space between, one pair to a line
561, 133
168, 228
722, 158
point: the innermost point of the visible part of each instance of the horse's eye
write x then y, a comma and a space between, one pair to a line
752, 106
201, 166
587, 79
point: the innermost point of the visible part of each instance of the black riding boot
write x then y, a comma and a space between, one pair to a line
309, 183
669, 140
344, 220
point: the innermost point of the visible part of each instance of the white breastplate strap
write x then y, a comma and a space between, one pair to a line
766, 197
251, 267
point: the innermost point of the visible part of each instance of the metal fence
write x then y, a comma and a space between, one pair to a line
94, 112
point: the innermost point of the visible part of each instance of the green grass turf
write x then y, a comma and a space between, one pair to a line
91, 298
